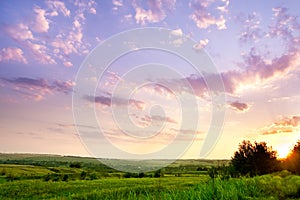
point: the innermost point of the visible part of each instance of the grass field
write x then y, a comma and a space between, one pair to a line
60, 181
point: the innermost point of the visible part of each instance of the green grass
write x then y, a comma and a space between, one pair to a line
23, 170
275, 186
110, 188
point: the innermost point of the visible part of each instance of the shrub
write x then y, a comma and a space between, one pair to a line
47, 177
83, 175
65, 177
75, 165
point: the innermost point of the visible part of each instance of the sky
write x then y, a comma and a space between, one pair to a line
147, 102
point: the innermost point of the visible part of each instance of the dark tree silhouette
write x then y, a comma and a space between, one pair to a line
293, 160
254, 159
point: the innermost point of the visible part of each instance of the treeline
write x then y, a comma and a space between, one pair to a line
257, 159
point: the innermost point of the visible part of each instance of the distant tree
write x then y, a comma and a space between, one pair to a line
128, 175
93, 176
75, 165
293, 160
83, 175
254, 159
212, 172
158, 174
141, 174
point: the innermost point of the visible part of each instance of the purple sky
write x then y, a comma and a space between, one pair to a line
254, 45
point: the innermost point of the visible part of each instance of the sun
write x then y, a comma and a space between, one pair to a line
283, 151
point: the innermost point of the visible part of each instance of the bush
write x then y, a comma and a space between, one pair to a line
47, 177
83, 175
93, 176
65, 177
75, 165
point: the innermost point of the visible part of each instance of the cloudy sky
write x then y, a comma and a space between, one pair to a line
254, 45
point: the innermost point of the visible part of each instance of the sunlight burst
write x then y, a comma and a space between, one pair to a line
283, 151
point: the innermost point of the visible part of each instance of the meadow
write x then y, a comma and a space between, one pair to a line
58, 177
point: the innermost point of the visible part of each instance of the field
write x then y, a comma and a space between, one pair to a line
57, 177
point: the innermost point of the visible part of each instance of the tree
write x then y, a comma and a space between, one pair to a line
254, 159
293, 160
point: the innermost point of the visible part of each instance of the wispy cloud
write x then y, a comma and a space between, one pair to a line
106, 99
251, 30
74, 125
38, 88
285, 26
147, 120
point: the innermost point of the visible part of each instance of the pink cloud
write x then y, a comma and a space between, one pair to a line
156, 11
203, 18
68, 64
23, 35
72, 42
285, 25
12, 54
201, 44
58, 47
224, 8
41, 23
58, 6
117, 2
40, 53
283, 125
19, 32
89, 6
256, 70
251, 31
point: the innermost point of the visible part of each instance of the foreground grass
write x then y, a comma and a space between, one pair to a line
111, 188
276, 186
